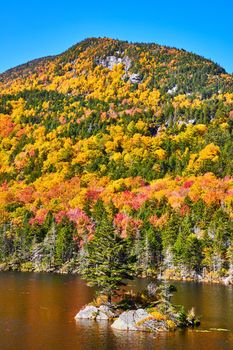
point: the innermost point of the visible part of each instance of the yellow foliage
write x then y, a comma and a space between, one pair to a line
158, 315
201, 128
210, 152
160, 153
171, 325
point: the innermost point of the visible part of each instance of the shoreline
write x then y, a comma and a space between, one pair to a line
209, 278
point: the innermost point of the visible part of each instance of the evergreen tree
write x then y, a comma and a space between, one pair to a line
64, 245
107, 260
187, 248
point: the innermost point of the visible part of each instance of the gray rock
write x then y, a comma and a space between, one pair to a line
89, 312
228, 280
128, 320
127, 62
104, 312
110, 61
192, 121
173, 90
102, 316
107, 311
135, 78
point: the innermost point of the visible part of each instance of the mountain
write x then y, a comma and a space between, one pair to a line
166, 68
140, 132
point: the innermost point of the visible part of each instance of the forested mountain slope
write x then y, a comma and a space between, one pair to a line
141, 132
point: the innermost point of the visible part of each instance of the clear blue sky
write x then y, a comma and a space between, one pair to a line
36, 28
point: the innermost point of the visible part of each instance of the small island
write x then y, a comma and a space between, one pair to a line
107, 265
148, 311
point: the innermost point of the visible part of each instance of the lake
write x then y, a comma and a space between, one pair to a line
37, 312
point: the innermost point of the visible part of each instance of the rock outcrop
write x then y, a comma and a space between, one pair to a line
90, 312
141, 320
129, 320
135, 78
145, 320
110, 61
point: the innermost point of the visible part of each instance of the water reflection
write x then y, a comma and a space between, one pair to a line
37, 312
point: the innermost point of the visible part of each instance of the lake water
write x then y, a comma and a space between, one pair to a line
37, 312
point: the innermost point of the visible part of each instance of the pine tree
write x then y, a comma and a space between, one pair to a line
187, 248
107, 260
64, 245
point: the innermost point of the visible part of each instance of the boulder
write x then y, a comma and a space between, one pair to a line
128, 320
102, 316
107, 311
104, 312
89, 312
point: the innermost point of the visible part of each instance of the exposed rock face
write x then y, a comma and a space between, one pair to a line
104, 312
173, 90
128, 320
110, 61
135, 78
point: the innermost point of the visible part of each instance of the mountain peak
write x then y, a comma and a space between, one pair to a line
163, 67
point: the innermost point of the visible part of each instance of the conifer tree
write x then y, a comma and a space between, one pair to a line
107, 260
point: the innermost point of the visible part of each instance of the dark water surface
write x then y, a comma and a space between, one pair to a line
37, 312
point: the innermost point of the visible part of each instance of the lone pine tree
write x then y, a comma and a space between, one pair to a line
107, 260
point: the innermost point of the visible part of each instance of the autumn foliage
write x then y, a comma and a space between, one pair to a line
148, 139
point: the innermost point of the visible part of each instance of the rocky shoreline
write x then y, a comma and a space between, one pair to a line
211, 277
146, 320
168, 275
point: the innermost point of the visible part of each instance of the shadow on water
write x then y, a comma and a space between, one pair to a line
37, 312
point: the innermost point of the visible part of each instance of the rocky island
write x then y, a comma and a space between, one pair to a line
107, 265
148, 311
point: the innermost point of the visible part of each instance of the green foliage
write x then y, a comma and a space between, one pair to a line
182, 317
106, 263
64, 243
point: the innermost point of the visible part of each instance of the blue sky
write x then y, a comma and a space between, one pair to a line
36, 28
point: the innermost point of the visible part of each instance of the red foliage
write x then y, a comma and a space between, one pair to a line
60, 215
39, 217
188, 184
184, 209
83, 222
25, 195
93, 195
4, 186
126, 224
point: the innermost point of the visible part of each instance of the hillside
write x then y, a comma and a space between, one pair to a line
158, 66
141, 133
